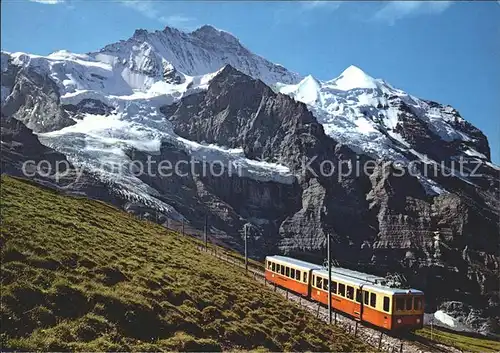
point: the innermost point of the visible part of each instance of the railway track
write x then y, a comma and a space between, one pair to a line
428, 345
381, 341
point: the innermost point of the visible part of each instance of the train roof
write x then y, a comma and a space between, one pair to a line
298, 263
340, 274
357, 275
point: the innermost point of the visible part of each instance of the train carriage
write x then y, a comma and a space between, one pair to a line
290, 273
360, 295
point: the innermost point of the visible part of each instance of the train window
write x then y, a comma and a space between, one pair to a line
278, 268
297, 275
305, 277
292, 273
400, 304
269, 263
342, 289
350, 292
367, 294
273, 267
358, 295
282, 270
386, 304
334, 287
417, 303
325, 284
373, 299
409, 303
287, 271
319, 282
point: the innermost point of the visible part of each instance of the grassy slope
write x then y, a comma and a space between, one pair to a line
80, 275
463, 342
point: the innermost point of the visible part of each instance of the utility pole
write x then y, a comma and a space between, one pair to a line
246, 248
329, 279
205, 233
432, 321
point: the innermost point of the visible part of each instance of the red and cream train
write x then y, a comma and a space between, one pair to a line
357, 294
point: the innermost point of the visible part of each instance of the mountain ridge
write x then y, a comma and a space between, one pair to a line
151, 98
149, 64
199, 53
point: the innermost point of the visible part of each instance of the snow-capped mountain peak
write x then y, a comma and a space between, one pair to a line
372, 117
200, 52
353, 77
210, 32
108, 101
306, 91
134, 77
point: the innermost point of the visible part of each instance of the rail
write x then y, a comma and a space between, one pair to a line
380, 340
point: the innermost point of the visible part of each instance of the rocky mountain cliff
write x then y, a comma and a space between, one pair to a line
380, 221
295, 141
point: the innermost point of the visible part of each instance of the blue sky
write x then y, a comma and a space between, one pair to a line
445, 51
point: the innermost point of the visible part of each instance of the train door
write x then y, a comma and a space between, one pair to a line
360, 301
308, 280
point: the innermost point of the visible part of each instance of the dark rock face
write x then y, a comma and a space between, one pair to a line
240, 111
229, 202
418, 134
88, 106
34, 100
381, 222
171, 75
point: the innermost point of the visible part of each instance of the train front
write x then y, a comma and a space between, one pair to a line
408, 311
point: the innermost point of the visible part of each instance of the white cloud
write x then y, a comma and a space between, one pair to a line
148, 9
48, 2
144, 7
302, 13
175, 20
321, 4
396, 10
